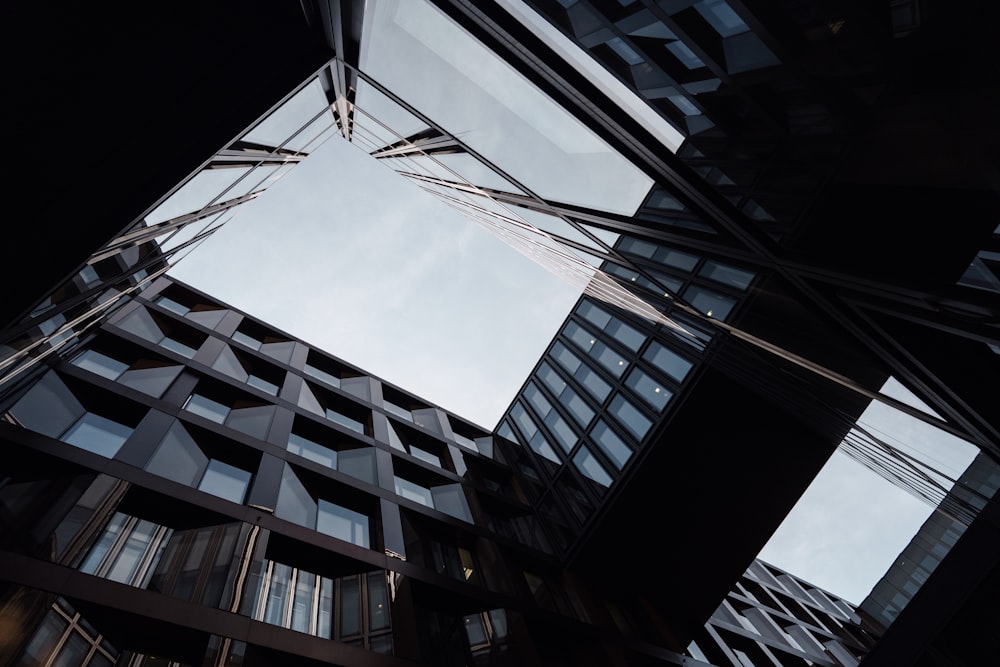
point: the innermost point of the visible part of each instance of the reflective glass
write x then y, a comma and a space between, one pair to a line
329, 378
378, 602
668, 361
295, 504
344, 420
97, 434
450, 499
358, 463
591, 467
178, 347
721, 16
684, 53
709, 302
199, 191
225, 481
287, 119
178, 457
101, 364
311, 450
153, 381
413, 491
630, 417
253, 421
416, 452
425, 58
207, 408
648, 389
612, 446
342, 523
263, 385
227, 363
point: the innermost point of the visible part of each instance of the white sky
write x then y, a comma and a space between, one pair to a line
350, 257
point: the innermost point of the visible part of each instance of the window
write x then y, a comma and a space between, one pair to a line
180, 457
630, 417
353, 609
97, 434
299, 503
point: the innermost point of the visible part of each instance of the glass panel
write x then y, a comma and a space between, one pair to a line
198, 192
329, 378
450, 499
153, 381
101, 364
311, 450
142, 324
344, 420
287, 119
589, 466
427, 457
400, 122
44, 640
612, 446
350, 606
246, 339
668, 361
253, 421
280, 351
277, 594
722, 17
294, 502
630, 417
302, 603
227, 363
648, 389
207, 318
97, 434
358, 463
49, 407
415, 492
517, 127
207, 408
308, 400
263, 385
378, 602
342, 523
359, 386
225, 481
178, 347
471, 170
178, 457
711, 303
474, 629
73, 652
324, 621
684, 53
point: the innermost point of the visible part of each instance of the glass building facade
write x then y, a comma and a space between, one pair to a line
727, 184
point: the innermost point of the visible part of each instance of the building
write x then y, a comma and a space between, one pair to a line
769, 265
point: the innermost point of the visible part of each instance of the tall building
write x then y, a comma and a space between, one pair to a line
740, 205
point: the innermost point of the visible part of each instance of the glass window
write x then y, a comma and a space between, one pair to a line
684, 53
263, 384
648, 389
101, 364
610, 359
612, 446
344, 420
630, 417
97, 434
358, 463
626, 52
342, 523
153, 380
295, 504
413, 491
591, 467
416, 452
312, 450
178, 457
207, 408
253, 420
711, 303
450, 499
722, 17
329, 378
225, 481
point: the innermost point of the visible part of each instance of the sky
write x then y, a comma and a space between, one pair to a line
348, 256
